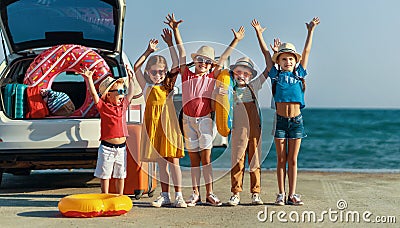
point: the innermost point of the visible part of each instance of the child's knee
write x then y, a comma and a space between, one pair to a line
281, 160
292, 162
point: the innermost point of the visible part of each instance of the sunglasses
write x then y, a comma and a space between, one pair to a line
155, 72
200, 59
120, 91
244, 73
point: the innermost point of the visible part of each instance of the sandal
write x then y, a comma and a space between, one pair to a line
294, 200
213, 200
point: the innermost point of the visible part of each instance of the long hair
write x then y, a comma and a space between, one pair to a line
154, 60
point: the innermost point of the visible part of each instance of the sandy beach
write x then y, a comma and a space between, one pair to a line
332, 199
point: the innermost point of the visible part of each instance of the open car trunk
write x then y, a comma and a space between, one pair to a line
67, 82
30, 24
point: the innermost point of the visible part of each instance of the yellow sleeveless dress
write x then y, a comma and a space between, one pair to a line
161, 135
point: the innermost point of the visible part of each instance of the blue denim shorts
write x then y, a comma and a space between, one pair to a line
289, 128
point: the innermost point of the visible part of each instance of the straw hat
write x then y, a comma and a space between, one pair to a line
286, 48
246, 62
205, 51
107, 83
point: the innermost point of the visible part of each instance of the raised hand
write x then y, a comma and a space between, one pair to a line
152, 45
256, 25
172, 22
167, 36
307, 46
277, 43
239, 34
313, 23
86, 72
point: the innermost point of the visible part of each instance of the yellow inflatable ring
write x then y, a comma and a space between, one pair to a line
224, 104
93, 205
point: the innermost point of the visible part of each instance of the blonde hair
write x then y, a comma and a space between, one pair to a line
117, 83
154, 60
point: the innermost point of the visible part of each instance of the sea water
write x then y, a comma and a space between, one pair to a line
338, 140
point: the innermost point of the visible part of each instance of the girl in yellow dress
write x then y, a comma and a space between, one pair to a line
162, 140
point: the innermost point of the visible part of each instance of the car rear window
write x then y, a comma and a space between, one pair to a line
68, 77
32, 19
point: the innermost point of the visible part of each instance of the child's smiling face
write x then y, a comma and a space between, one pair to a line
116, 94
242, 75
157, 73
202, 64
287, 61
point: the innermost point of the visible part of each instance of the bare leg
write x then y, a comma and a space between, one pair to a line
293, 152
164, 174
104, 183
280, 145
207, 170
176, 173
119, 186
195, 170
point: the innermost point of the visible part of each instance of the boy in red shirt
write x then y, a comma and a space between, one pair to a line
112, 105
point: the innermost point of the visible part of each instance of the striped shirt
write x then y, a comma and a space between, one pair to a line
55, 100
243, 95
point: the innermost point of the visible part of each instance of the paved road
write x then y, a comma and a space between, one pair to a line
31, 201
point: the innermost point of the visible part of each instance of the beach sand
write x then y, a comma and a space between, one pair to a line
332, 197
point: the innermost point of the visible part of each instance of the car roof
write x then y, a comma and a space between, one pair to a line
30, 24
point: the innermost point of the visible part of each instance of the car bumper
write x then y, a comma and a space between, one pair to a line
48, 158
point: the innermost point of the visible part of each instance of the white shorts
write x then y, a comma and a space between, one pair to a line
111, 160
198, 132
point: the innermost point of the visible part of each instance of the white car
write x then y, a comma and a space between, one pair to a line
30, 26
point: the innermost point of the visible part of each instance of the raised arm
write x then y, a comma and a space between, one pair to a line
307, 46
167, 37
152, 47
275, 47
174, 24
238, 36
131, 84
89, 83
264, 48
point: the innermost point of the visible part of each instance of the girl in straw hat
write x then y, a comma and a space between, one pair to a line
112, 105
288, 91
197, 89
162, 140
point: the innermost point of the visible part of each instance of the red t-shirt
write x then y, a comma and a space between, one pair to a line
197, 93
112, 120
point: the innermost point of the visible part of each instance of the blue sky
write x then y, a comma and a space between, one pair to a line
354, 58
